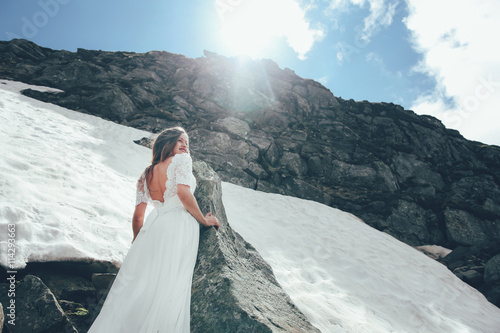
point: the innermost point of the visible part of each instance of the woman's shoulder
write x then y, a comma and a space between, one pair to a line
181, 158
142, 177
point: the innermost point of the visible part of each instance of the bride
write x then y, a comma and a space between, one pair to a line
152, 290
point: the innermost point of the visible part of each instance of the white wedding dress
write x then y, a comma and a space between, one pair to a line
152, 290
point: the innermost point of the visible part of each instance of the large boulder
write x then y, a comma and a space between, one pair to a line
413, 224
68, 286
36, 308
492, 270
234, 289
466, 229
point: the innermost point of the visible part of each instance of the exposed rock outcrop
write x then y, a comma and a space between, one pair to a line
479, 267
234, 289
36, 308
271, 130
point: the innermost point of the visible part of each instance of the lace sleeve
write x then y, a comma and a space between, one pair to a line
183, 169
142, 190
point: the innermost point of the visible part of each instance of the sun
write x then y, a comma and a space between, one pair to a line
248, 28
242, 38
261, 28
257, 28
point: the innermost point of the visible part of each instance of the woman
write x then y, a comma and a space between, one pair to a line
152, 290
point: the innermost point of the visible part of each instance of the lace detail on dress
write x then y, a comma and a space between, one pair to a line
180, 171
142, 194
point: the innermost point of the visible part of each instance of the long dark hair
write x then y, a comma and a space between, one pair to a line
163, 147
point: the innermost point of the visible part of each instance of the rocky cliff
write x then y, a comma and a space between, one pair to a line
268, 129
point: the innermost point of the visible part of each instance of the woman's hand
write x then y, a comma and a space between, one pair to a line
212, 221
189, 202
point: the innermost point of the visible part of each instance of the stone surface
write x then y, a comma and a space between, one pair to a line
102, 280
470, 276
465, 229
492, 270
1, 318
36, 308
78, 314
234, 289
478, 266
413, 224
68, 286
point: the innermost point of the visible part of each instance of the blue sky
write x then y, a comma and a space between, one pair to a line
434, 57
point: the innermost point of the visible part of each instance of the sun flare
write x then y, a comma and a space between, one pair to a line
253, 27
243, 36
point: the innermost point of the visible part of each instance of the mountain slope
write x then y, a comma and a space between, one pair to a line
268, 129
344, 275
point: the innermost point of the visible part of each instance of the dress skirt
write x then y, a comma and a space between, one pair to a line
152, 290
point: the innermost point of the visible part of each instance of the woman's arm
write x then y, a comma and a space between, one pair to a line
138, 218
189, 202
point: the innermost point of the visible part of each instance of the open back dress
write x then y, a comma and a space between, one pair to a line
152, 290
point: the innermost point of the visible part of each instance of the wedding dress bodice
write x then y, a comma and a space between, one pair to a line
180, 171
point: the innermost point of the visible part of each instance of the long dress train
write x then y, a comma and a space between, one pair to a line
152, 290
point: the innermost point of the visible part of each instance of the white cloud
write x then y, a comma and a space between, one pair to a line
381, 14
249, 26
460, 51
323, 80
374, 58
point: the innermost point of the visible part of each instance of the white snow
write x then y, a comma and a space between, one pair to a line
434, 251
348, 277
67, 182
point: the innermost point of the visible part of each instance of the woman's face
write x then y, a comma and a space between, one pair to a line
182, 145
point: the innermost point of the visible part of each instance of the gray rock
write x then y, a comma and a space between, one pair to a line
472, 277
272, 154
36, 308
493, 294
314, 166
117, 100
464, 228
260, 140
376, 175
492, 207
294, 164
413, 224
234, 289
256, 171
77, 314
408, 167
342, 172
103, 280
492, 270
293, 185
1, 318
68, 286
234, 126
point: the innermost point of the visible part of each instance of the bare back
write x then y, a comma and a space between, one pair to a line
156, 185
